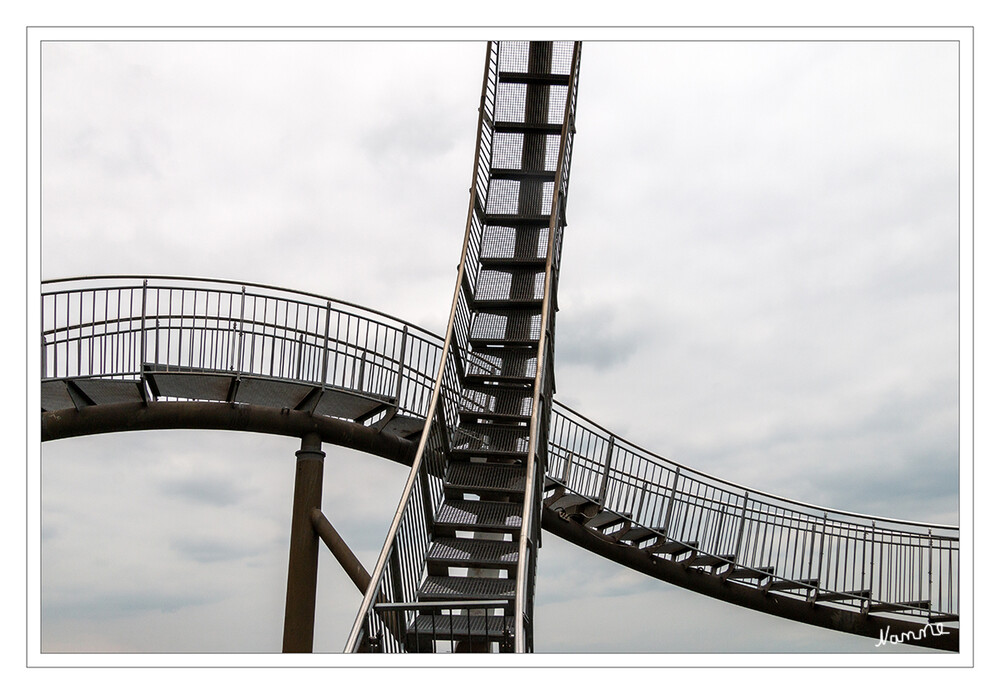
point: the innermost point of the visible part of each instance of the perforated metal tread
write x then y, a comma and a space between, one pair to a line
506, 367
532, 78
485, 477
498, 516
465, 588
466, 552
474, 440
494, 628
638, 535
523, 174
506, 126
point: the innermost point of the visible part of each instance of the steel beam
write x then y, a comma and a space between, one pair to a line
303, 553
335, 543
137, 416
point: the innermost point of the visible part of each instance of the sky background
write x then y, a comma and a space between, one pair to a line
760, 281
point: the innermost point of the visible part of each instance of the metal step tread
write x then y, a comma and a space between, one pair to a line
532, 78
521, 174
800, 584
674, 547
709, 560
494, 305
495, 218
467, 552
485, 477
638, 534
745, 572
443, 626
500, 516
843, 596
511, 263
474, 417
606, 519
475, 440
509, 126
464, 587
900, 606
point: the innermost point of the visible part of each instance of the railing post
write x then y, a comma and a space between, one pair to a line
41, 325
871, 567
739, 534
326, 346
607, 471
819, 566
670, 502
930, 564
239, 356
402, 362
142, 329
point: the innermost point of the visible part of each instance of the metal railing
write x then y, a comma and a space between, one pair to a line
121, 327
98, 328
866, 562
398, 571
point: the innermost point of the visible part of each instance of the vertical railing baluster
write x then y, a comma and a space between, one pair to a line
739, 533
326, 346
607, 471
142, 330
239, 355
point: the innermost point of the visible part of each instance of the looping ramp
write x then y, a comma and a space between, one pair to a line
100, 337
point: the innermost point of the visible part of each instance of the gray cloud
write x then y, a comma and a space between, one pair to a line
104, 606
764, 236
214, 492
210, 550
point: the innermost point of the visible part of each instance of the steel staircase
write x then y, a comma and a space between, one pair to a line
458, 568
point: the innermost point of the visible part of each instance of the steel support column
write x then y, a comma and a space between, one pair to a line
303, 553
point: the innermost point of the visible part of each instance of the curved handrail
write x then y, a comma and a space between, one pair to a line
114, 323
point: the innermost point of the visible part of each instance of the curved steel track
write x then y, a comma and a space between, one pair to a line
131, 352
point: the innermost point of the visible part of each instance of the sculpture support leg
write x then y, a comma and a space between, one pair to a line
303, 553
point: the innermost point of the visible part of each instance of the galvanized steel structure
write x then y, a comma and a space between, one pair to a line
494, 459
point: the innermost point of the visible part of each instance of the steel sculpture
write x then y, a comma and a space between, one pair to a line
493, 458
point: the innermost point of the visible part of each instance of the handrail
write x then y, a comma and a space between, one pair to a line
556, 405
584, 457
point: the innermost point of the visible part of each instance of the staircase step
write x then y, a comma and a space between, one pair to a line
606, 519
843, 596
637, 535
478, 478
532, 78
900, 606
526, 128
463, 587
506, 327
505, 367
673, 548
522, 174
495, 402
472, 553
485, 440
809, 584
535, 220
458, 626
486, 516
510, 263
709, 560
493, 305
572, 505
758, 573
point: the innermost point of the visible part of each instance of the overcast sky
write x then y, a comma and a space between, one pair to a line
760, 280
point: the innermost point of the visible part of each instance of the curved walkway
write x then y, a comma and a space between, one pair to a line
130, 352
